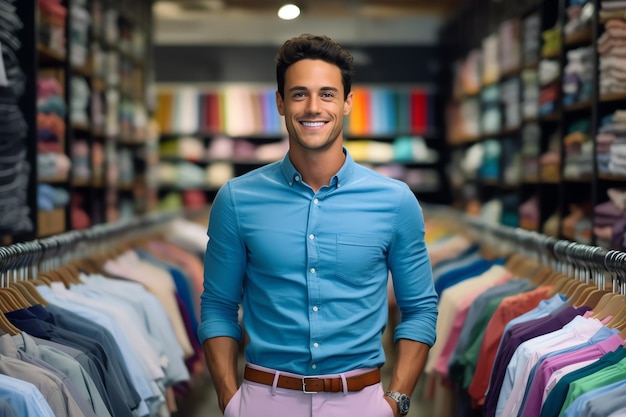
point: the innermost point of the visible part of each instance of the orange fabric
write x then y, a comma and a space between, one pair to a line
510, 308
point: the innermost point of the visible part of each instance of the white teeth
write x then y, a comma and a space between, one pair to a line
313, 124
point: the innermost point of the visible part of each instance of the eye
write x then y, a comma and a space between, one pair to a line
328, 95
298, 95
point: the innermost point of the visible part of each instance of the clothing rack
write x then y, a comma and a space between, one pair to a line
24, 260
592, 264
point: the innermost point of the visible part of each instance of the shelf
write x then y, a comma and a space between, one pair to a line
531, 180
51, 222
513, 72
605, 16
613, 97
531, 66
84, 71
81, 127
463, 140
551, 55
612, 177
581, 105
81, 183
53, 180
583, 180
550, 117
50, 56
508, 131
578, 37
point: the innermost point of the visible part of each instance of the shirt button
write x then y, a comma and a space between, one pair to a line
316, 201
311, 236
297, 178
312, 270
314, 366
316, 345
315, 308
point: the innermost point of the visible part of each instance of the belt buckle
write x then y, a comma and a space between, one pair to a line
304, 384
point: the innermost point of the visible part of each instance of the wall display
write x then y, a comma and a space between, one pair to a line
83, 101
566, 149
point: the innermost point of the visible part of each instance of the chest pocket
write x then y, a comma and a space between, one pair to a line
359, 256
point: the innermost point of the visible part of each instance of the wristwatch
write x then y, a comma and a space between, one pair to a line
403, 400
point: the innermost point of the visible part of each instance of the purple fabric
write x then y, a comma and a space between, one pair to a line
533, 404
514, 337
608, 209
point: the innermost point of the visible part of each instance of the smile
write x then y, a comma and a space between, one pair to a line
313, 124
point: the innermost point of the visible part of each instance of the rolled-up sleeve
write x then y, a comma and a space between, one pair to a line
224, 270
412, 274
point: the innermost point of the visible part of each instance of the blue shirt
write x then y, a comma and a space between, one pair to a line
310, 268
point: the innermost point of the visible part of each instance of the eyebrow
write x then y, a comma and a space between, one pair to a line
302, 88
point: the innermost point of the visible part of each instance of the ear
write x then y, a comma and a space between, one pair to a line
280, 105
347, 104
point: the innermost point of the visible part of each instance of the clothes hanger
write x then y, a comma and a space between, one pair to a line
29, 291
20, 301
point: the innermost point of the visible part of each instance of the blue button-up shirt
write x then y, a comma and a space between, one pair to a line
310, 268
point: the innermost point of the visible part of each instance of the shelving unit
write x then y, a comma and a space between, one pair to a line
214, 147
561, 180
66, 52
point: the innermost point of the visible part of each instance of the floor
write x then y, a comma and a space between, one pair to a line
202, 401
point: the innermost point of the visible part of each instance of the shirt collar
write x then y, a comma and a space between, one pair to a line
340, 179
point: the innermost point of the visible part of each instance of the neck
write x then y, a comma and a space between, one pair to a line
317, 168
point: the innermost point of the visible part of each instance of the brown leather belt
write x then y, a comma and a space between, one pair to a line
312, 384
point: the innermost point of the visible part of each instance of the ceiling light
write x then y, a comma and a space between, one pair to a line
289, 12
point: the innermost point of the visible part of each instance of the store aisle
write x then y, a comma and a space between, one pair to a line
202, 401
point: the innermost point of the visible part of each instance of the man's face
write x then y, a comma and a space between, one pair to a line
313, 105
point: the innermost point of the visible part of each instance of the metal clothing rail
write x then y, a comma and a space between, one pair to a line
22, 260
574, 259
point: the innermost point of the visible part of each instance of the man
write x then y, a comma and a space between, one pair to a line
305, 245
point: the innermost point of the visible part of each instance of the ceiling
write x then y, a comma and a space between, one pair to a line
381, 8
255, 21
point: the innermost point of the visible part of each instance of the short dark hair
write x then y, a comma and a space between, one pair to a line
308, 46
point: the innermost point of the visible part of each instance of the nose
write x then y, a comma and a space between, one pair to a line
312, 105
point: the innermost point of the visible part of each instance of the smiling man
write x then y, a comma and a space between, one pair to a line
305, 245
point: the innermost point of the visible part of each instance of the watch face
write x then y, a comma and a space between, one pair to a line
404, 403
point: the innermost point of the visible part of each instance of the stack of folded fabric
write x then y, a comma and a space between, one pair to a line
511, 161
530, 94
611, 144
578, 150
577, 20
612, 48
509, 44
551, 41
511, 102
80, 160
529, 214
470, 72
14, 167
51, 110
578, 78
610, 219
491, 68
49, 197
51, 25
576, 225
531, 136
80, 100
531, 45
549, 73
490, 167
79, 35
550, 161
491, 117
